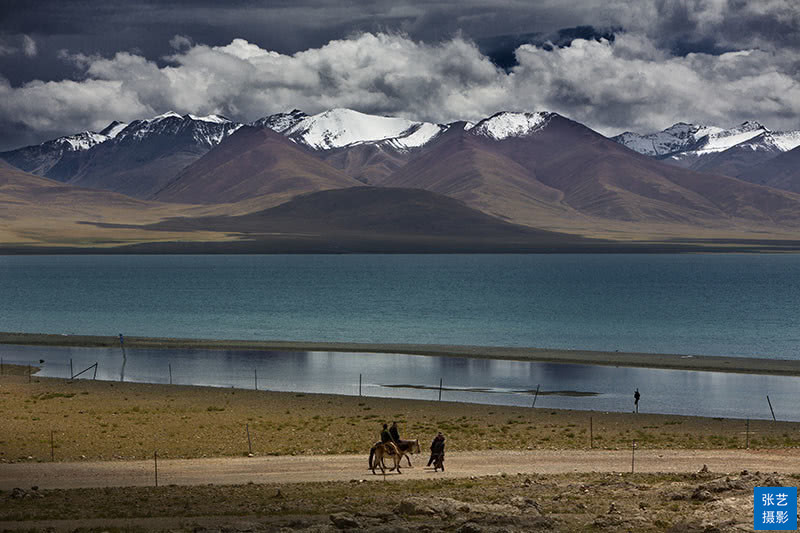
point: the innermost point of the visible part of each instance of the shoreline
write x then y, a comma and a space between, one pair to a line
705, 363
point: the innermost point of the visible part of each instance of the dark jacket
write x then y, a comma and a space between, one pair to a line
394, 433
386, 436
437, 446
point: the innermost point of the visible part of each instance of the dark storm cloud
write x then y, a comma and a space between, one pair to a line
146, 26
502, 49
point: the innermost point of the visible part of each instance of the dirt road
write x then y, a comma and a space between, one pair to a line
239, 470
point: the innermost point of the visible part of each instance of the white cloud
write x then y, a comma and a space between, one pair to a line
602, 84
180, 41
627, 84
29, 47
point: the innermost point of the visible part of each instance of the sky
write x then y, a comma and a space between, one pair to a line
614, 65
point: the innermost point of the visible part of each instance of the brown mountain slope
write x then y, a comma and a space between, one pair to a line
781, 172
605, 179
372, 219
43, 212
20, 188
472, 169
251, 163
565, 175
369, 163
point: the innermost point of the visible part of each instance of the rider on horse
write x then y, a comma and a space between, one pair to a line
386, 436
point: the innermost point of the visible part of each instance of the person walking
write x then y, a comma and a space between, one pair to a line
437, 452
636, 397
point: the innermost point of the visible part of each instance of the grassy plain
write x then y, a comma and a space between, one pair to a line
112, 420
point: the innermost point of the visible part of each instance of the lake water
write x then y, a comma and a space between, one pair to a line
739, 305
713, 394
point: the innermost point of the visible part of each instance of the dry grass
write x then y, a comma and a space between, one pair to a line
107, 420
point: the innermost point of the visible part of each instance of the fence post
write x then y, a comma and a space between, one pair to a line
255, 374
591, 434
535, 396
170, 373
249, 443
747, 435
71, 371
359, 385
770, 409
86, 370
633, 454
440, 389
155, 464
2, 370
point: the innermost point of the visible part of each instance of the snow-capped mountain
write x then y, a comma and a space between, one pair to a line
41, 158
206, 131
722, 140
113, 129
510, 124
160, 145
786, 140
280, 122
338, 128
677, 138
732, 152
682, 141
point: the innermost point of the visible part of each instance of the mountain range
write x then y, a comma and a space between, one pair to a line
530, 172
740, 152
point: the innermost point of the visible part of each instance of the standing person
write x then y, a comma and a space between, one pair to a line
437, 452
636, 397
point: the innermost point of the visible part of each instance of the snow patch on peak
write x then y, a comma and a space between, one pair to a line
678, 137
749, 125
113, 129
215, 119
81, 141
763, 142
168, 114
421, 135
786, 140
342, 127
724, 139
509, 124
280, 122
417, 136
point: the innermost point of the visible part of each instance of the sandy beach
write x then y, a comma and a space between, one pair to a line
743, 365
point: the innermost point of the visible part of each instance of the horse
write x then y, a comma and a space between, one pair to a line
382, 450
406, 446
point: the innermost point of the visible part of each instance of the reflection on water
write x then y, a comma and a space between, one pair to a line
485, 381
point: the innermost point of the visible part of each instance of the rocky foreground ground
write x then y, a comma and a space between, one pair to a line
698, 502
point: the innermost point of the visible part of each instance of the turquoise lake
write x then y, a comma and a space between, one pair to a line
739, 305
